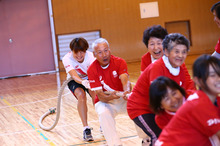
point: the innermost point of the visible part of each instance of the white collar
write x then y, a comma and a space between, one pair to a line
172, 70
105, 66
153, 59
170, 113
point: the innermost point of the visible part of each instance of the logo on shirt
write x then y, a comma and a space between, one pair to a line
67, 66
91, 81
213, 121
114, 73
181, 83
159, 143
100, 78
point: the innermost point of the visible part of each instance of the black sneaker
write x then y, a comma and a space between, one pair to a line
87, 135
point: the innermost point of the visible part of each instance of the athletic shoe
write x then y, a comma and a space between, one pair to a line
87, 135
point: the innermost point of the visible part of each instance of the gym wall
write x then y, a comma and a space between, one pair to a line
120, 23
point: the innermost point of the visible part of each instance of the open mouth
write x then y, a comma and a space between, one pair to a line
157, 53
105, 59
179, 60
79, 58
176, 106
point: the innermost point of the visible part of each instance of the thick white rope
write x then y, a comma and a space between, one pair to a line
52, 110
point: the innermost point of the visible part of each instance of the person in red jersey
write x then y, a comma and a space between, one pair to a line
171, 65
215, 9
108, 73
76, 63
197, 121
166, 96
152, 38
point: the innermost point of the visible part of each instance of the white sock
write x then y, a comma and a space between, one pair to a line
84, 128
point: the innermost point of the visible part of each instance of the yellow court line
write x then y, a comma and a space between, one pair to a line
15, 110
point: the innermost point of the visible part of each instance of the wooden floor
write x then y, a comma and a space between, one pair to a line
23, 100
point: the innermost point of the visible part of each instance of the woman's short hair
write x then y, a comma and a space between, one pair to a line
158, 91
175, 39
79, 44
156, 31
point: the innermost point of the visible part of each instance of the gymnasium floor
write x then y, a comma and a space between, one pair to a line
25, 99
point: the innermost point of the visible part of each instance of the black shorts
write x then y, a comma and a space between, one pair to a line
73, 85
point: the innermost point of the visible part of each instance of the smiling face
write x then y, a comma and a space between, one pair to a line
213, 82
155, 47
102, 54
216, 19
172, 100
177, 55
79, 56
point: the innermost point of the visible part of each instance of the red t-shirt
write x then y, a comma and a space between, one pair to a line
163, 119
145, 61
107, 79
217, 47
194, 123
138, 101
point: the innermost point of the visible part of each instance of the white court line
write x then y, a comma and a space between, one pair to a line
27, 87
33, 101
60, 126
130, 138
94, 121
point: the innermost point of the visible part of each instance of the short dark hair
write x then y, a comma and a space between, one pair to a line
216, 8
156, 31
158, 91
175, 39
79, 44
201, 68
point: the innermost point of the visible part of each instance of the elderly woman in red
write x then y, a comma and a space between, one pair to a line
153, 37
171, 65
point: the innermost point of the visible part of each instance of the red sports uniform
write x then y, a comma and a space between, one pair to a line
163, 119
107, 79
145, 61
138, 102
194, 124
217, 47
